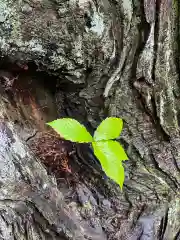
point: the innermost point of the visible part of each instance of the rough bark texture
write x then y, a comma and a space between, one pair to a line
116, 58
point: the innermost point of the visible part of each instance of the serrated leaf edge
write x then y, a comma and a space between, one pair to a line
99, 126
121, 187
49, 124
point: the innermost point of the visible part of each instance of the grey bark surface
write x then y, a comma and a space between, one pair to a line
108, 58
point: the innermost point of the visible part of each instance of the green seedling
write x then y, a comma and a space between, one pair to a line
109, 152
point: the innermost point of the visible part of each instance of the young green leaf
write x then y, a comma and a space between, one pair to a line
71, 130
108, 129
110, 154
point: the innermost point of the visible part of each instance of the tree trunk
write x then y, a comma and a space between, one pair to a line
88, 60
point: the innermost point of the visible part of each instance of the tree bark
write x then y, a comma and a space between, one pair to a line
106, 58
31, 205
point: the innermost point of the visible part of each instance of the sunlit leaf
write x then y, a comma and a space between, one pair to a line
108, 129
110, 154
71, 130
